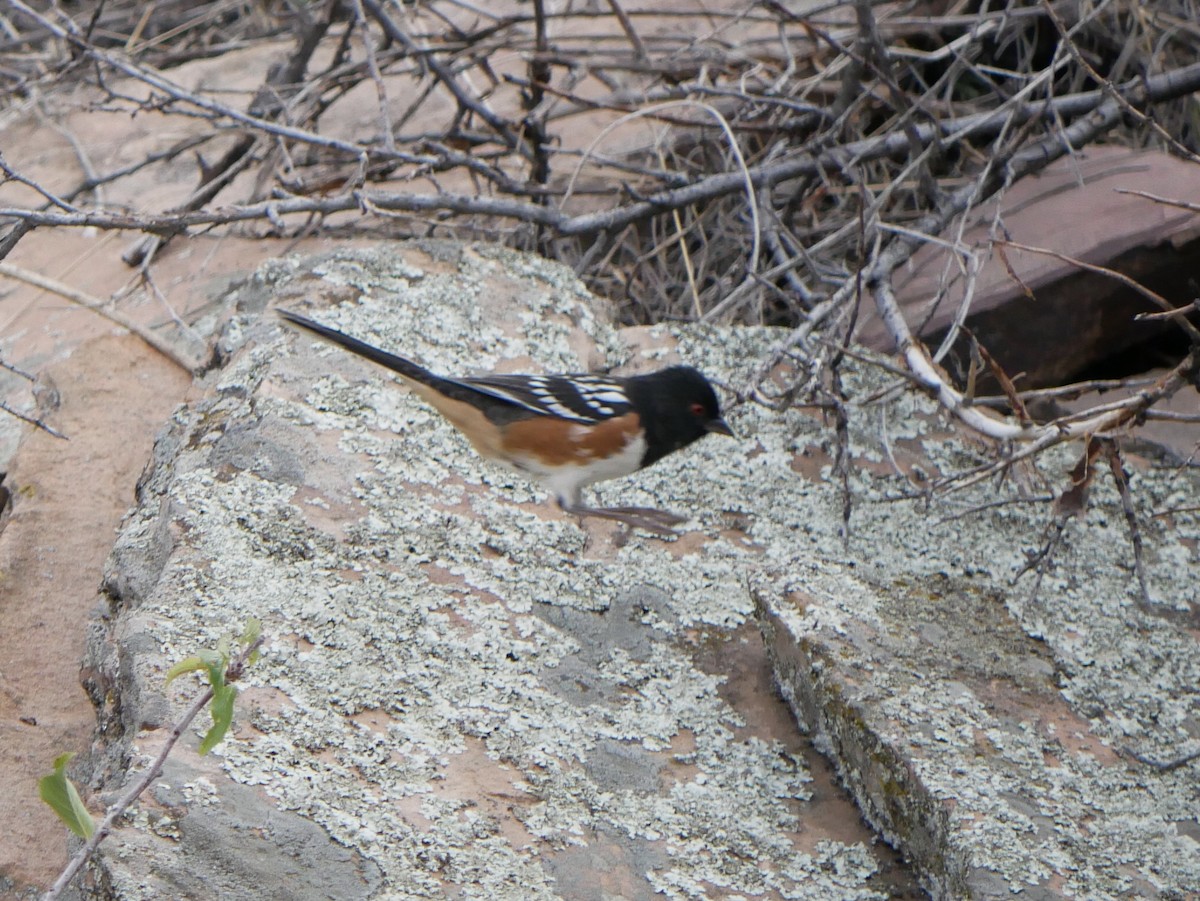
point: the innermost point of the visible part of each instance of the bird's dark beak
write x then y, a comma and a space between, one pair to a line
719, 427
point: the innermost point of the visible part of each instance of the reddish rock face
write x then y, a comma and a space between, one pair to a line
1036, 310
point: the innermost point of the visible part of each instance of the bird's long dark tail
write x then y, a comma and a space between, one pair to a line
404, 367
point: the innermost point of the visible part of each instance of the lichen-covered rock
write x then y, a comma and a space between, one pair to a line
463, 692
467, 694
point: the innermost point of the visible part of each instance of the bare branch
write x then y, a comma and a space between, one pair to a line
97, 306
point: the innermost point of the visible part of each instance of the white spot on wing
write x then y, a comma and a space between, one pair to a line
608, 397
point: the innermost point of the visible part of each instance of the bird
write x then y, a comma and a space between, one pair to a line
565, 431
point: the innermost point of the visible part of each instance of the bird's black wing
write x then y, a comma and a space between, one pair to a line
581, 398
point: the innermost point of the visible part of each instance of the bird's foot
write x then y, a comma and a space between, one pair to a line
663, 517
648, 518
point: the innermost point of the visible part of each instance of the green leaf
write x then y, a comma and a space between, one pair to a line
216, 674
251, 633
201, 660
222, 715
187, 665
58, 791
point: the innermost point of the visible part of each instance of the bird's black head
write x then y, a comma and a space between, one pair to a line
678, 406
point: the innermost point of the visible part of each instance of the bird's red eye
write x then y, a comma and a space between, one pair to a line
698, 410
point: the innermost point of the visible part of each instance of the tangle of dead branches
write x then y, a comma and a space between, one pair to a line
737, 162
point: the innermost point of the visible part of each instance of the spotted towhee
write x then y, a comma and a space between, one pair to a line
568, 431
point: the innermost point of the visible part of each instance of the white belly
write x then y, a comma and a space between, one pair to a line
567, 481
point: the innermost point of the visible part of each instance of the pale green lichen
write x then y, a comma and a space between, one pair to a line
453, 647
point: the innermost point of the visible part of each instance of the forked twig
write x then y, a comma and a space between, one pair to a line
97, 306
122, 804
